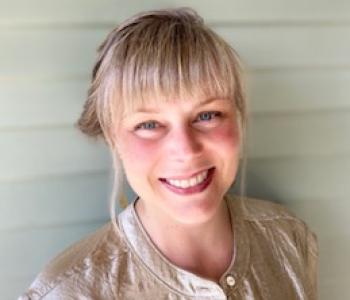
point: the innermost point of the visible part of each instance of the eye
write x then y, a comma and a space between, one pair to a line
209, 115
149, 125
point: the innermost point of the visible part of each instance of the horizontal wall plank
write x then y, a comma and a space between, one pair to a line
336, 288
108, 10
12, 288
35, 52
299, 90
290, 47
333, 255
299, 178
67, 199
32, 249
285, 134
46, 102
325, 216
41, 102
50, 151
72, 51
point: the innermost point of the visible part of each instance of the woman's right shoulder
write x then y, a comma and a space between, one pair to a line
80, 267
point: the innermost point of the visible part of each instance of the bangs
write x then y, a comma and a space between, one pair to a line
167, 60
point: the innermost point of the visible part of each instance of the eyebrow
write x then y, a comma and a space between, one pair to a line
201, 103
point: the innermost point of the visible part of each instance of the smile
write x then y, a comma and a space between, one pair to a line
195, 184
193, 181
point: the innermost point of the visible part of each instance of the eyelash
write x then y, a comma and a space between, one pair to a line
216, 114
211, 113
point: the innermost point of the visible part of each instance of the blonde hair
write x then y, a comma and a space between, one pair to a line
159, 55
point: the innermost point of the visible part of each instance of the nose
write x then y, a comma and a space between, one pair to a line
184, 144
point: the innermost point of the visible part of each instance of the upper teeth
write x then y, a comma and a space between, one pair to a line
185, 183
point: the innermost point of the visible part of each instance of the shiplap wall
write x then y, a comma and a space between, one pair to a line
54, 183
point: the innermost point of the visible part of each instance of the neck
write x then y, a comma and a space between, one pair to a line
191, 246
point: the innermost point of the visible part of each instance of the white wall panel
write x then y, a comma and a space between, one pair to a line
300, 134
293, 178
49, 151
332, 262
299, 90
36, 102
65, 199
327, 214
290, 46
27, 53
221, 10
335, 288
336, 284
13, 287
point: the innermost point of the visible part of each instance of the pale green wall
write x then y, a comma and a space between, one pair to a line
54, 183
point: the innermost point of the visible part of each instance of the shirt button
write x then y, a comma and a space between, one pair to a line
230, 280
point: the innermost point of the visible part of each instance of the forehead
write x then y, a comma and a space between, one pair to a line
189, 103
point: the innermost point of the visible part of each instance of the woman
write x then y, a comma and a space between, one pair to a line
167, 97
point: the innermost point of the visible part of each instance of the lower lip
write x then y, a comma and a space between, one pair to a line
193, 189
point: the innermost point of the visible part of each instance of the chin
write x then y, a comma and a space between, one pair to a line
194, 211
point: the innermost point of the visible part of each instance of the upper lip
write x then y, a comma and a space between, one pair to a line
179, 177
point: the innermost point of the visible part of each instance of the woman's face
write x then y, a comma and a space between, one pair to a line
168, 148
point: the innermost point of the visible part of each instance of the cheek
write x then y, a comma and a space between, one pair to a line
226, 135
226, 145
138, 152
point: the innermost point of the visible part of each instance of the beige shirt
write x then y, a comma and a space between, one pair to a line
275, 258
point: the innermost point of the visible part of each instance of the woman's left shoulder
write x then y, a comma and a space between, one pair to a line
281, 237
273, 216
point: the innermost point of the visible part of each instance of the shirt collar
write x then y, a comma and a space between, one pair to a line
180, 280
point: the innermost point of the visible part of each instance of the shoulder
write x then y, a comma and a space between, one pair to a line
91, 255
278, 235
275, 217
